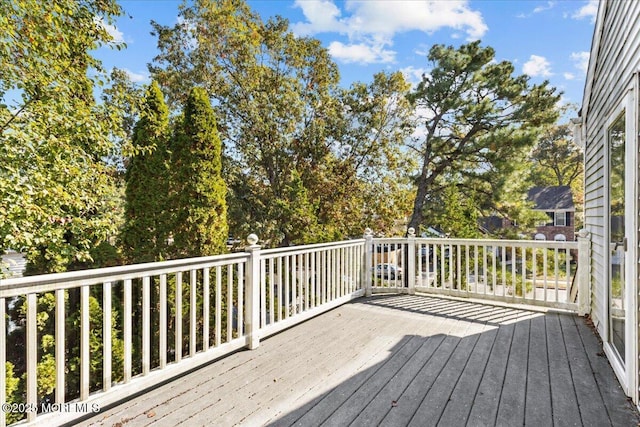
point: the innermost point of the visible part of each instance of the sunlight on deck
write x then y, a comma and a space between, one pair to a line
400, 360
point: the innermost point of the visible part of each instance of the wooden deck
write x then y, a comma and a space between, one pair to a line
400, 360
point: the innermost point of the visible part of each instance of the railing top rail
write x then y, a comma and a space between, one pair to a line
47, 282
483, 242
292, 250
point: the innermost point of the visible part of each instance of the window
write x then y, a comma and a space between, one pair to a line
560, 219
560, 238
551, 216
540, 236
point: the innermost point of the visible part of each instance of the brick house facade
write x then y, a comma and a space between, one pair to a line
557, 203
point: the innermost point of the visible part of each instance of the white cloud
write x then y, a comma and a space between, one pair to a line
537, 66
391, 17
323, 16
569, 76
589, 10
539, 9
370, 26
115, 34
550, 5
412, 74
581, 61
136, 77
361, 53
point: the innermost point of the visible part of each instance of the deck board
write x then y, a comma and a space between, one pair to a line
400, 360
564, 399
460, 401
511, 409
485, 404
592, 407
538, 409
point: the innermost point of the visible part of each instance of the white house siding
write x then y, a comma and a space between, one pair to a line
615, 57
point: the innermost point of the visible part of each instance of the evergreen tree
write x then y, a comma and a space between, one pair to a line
477, 117
198, 191
145, 232
460, 217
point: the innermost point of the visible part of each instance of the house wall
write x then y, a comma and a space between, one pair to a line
615, 57
618, 57
550, 232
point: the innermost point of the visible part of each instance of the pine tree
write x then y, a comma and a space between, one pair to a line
198, 191
146, 224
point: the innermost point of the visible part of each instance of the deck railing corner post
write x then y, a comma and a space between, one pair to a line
410, 265
368, 262
252, 314
583, 276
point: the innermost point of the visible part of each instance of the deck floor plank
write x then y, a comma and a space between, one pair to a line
563, 395
395, 360
411, 399
538, 410
485, 403
435, 401
512, 392
592, 408
388, 397
460, 402
270, 380
608, 386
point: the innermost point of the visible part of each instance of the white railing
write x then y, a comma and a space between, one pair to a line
299, 283
115, 331
545, 273
163, 319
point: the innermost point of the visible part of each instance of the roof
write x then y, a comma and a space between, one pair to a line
558, 197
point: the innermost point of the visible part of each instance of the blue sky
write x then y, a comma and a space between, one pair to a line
544, 39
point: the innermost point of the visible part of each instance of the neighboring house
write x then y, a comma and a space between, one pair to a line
492, 224
608, 130
557, 203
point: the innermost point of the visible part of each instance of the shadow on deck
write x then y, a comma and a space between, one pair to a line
400, 360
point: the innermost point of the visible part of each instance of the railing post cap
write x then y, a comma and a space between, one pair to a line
252, 239
368, 232
411, 232
583, 233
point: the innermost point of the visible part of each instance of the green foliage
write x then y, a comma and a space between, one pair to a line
46, 367
12, 389
478, 121
556, 160
198, 190
282, 114
54, 186
126, 98
146, 229
295, 214
458, 216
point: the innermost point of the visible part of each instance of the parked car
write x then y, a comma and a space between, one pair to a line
388, 271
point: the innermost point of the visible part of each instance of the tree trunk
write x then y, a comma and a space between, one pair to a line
416, 215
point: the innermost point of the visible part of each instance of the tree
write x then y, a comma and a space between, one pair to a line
126, 97
198, 203
282, 117
458, 216
372, 170
557, 160
476, 118
146, 229
272, 93
56, 193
